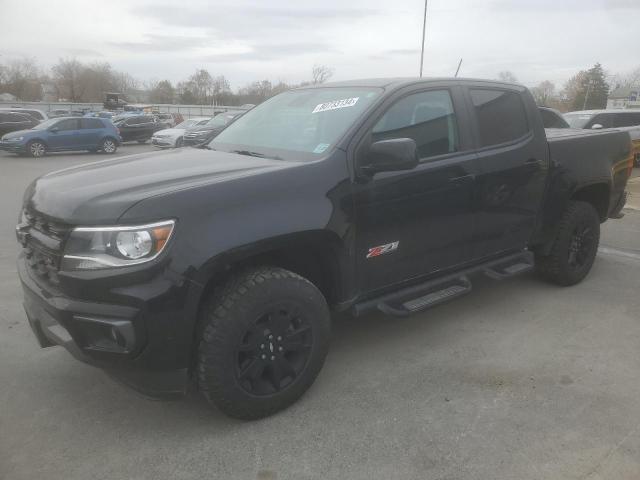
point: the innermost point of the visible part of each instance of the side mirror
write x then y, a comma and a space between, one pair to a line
391, 155
596, 126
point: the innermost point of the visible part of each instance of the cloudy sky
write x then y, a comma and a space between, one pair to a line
282, 39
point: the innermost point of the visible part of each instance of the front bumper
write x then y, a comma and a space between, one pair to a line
145, 350
13, 147
163, 142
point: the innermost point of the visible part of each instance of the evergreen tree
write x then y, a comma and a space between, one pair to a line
592, 91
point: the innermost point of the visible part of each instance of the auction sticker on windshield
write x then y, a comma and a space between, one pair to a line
345, 102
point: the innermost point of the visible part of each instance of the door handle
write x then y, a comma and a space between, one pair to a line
462, 178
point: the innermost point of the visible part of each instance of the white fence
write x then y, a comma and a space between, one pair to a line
186, 110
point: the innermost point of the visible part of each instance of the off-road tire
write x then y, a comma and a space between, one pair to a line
556, 266
236, 309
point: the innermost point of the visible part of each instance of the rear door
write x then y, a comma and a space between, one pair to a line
65, 135
513, 158
626, 119
413, 223
91, 131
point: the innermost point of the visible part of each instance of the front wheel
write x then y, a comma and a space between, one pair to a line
264, 339
109, 146
36, 148
575, 246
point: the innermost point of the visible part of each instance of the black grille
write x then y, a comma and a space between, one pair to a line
42, 240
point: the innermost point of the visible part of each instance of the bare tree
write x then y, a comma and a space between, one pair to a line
22, 78
507, 76
544, 92
162, 92
124, 83
321, 73
67, 75
96, 79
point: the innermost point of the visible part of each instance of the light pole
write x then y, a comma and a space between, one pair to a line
424, 28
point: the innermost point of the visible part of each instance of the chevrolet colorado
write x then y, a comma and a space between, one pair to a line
219, 267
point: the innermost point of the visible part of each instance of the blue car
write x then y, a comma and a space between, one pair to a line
64, 134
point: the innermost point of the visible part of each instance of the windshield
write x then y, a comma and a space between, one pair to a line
309, 121
188, 123
577, 120
220, 120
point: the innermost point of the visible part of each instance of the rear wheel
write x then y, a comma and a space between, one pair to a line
109, 146
264, 340
36, 148
575, 247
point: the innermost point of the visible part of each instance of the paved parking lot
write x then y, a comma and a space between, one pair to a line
518, 380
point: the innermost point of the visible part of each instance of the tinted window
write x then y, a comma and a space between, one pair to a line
18, 118
35, 114
69, 124
626, 119
91, 123
501, 116
425, 117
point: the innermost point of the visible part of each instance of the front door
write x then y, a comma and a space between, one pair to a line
65, 135
413, 223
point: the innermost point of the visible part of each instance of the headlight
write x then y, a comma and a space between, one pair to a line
91, 248
14, 139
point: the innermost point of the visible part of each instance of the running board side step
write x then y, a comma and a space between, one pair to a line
429, 294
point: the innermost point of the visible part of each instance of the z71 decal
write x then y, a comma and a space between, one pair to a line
382, 249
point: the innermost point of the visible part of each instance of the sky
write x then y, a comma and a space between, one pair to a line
281, 39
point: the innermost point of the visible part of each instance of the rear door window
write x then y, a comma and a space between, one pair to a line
18, 118
90, 123
500, 115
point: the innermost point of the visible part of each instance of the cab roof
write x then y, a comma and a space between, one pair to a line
399, 82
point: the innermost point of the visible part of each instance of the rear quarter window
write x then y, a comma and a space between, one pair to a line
501, 116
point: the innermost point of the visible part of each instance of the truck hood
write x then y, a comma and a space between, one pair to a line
99, 193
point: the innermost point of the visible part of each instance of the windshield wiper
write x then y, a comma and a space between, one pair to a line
255, 154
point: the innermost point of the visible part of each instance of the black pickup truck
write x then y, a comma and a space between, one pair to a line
219, 267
